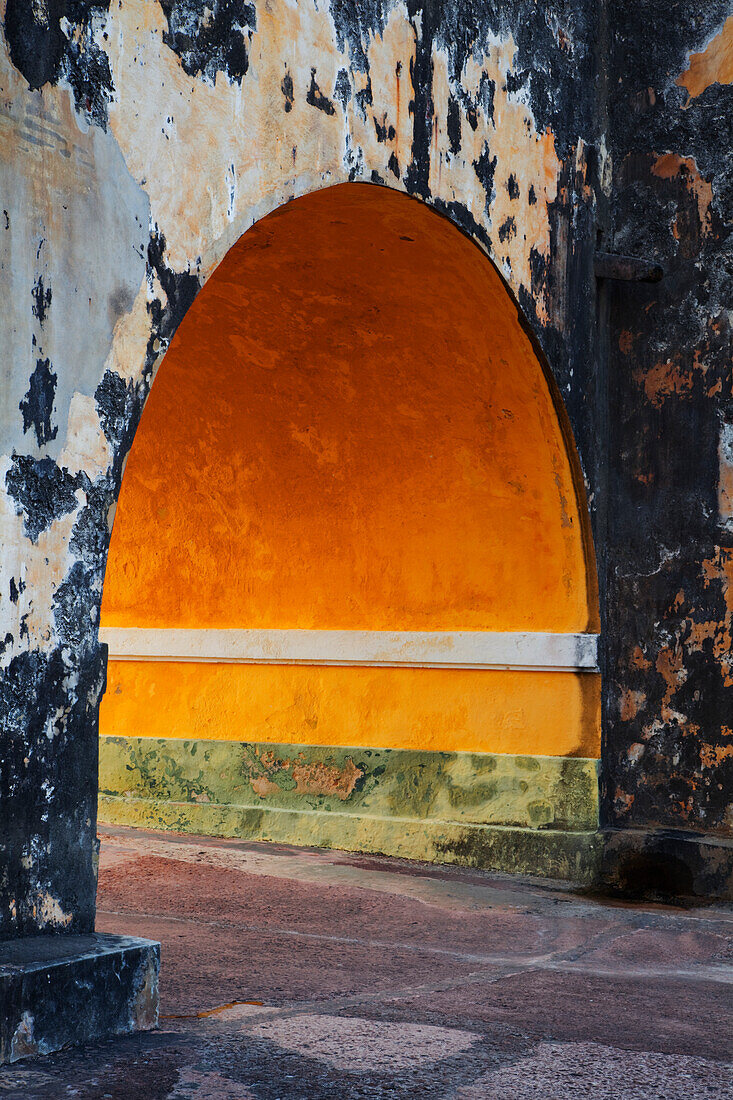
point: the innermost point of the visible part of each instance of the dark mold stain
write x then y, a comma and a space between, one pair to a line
180, 289
516, 81
45, 53
507, 230
354, 21
453, 125
342, 88
42, 491
87, 68
484, 168
41, 299
210, 38
422, 107
286, 87
112, 398
363, 98
486, 92
37, 405
384, 132
316, 98
36, 43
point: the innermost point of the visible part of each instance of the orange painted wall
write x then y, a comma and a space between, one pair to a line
350, 430
547, 713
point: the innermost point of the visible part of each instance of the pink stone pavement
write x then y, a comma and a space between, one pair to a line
293, 974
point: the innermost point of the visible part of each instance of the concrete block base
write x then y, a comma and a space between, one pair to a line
667, 863
59, 990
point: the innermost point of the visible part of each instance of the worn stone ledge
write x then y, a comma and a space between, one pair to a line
59, 990
464, 649
667, 862
546, 852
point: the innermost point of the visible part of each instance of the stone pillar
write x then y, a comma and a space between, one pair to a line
68, 270
60, 982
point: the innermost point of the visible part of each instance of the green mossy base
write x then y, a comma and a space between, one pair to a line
549, 853
524, 814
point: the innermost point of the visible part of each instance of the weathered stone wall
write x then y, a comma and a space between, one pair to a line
139, 140
669, 629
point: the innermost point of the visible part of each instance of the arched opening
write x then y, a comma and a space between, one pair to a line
350, 538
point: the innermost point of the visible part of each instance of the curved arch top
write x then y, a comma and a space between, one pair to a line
351, 429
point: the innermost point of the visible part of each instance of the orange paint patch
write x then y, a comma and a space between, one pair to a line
670, 666
712, 756
663, 380
544, 713
626, 342
670, 377
713, 65
314, 778
630, 704
670, 165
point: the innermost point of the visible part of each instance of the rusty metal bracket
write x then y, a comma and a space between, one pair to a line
607, 265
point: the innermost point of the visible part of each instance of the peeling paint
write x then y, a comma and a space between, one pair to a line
711, 65
22, 1043
671, 165
306, 778
50, 913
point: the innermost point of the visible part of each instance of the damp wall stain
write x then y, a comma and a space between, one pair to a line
534, 792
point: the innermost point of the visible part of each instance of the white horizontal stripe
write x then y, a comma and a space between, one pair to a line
411, 648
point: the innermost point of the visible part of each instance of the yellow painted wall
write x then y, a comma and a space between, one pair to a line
351, 430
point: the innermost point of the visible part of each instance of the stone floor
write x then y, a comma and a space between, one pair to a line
310, 975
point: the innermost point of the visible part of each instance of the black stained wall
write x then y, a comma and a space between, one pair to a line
668, 755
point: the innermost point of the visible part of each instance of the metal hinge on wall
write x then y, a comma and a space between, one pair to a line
608, 265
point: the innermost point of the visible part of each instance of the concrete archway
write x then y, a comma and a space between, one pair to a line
351, 523
174, 140
141, 140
